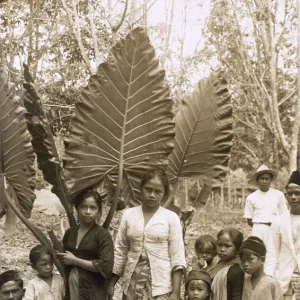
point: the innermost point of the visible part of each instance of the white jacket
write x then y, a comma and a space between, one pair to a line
281, 258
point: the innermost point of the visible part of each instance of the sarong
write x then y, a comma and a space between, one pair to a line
140, 283
293, 292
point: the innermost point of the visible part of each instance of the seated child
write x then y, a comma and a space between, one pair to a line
257, 284
206, 250
46, 285
11, 286
198, 286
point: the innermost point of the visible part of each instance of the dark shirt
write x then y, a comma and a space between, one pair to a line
96, 246
235, 282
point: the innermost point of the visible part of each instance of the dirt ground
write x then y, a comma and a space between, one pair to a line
15, 247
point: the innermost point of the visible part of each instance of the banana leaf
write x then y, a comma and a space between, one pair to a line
124, 122
43, 143
16, 155
203, 134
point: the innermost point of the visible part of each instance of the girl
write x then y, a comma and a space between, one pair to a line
89, 251
149, 249
46, 285
227, 275
257, 284
198, 286
206, 250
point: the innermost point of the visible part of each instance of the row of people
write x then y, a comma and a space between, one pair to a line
149, 252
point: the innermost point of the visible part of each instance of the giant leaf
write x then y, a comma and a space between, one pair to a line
204, 134
43, 142
124, 123
16, 155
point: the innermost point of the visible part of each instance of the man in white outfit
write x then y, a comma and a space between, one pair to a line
264, 205
283, 249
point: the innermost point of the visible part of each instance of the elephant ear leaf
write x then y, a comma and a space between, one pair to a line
124, 122
203, 133
16, 154
43, 142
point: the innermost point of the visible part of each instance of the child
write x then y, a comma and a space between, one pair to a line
206, 250
257, 284
227, 275
198, 286
45, 285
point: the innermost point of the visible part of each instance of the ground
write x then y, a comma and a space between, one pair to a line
15, 247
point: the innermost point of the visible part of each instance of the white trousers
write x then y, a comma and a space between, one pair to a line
262, 231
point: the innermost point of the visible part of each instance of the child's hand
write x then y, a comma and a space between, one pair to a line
202, 262
67, 257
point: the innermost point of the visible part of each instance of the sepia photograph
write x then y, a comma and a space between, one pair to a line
149, 150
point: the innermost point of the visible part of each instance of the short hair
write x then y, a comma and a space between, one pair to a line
204, 240
159, 173
36, 253
85, 194
235, 235
11, 275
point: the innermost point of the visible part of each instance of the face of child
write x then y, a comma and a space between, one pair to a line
251, 263
88, 211
197, 290
153, 192
207, 253
11, 290
44, 266
225, 247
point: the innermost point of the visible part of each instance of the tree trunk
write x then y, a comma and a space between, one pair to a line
295, 136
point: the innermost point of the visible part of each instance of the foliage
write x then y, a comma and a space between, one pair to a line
16, 155
259, 59
125, 120
43, 143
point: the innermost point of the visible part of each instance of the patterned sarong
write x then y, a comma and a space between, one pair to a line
295, 283
140, 283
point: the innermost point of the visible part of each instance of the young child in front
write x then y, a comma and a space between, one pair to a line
198, 286
257, 284
46, 285
206, 251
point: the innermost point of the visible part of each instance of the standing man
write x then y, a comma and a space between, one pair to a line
283, 249
11, 286
263, 205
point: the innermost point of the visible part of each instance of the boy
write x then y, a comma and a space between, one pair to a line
264, 204
11, 286
257, 284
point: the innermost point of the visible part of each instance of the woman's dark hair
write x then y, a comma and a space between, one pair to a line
235, 235
204, 240
36, 253
159, 173
85, 194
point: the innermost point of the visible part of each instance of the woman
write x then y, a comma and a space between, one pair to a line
89, 251
149, 249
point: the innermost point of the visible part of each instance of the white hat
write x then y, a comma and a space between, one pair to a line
263, 169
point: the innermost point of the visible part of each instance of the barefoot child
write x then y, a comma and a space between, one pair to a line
198, 286
257, 284
206, 250
46, 285
227, 275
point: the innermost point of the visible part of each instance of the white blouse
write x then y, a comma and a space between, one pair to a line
162, 240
